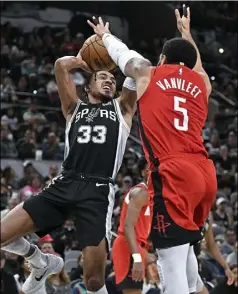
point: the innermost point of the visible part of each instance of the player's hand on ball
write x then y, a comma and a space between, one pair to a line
82, 63
138, 271
99, 28
183, 23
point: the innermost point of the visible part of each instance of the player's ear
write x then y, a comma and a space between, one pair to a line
87, 88
162, 59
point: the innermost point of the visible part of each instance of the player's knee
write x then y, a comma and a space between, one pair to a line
94, 283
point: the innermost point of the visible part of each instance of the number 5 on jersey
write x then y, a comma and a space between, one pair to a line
181, 126
96, 134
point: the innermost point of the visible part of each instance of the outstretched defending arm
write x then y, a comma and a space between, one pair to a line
183, 24
131, 63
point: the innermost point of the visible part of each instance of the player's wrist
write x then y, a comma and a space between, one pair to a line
137, 257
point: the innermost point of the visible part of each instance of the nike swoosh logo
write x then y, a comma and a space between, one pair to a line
98, 185
38, 279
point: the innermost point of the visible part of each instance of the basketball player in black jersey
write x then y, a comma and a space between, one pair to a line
95, 141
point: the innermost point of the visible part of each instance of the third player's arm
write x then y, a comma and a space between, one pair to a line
138, 198
216, 253
66, 87
213, 247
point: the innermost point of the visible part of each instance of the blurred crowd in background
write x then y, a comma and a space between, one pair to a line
32, 128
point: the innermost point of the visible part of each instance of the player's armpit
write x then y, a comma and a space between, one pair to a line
66, 87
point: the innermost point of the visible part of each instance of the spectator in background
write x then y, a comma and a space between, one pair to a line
8, 283
77, 273
27, 146
232, 142
52, 91
12, 202
59, 284
210, 130
213, 145
33, 115
33, 189
7, 90
127, 184
47, 247
8, 177
220, 215
51, 148
5, 194
11, 120
65, 238
22, 85
225, 160
28, 170
228, 243
8, 147
53, 172
29, 66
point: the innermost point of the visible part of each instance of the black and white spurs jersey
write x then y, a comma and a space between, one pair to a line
95, 139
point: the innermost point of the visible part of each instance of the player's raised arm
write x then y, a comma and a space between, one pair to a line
131, 63
138, 198
183, 24
66, 87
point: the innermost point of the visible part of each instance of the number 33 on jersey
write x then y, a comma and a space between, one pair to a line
95, 139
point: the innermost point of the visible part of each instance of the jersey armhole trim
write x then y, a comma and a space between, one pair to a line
120, 116
73, 115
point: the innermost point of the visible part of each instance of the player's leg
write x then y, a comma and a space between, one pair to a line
94, 268
14, 225
37, 212
172, 266
93, 215
192, 270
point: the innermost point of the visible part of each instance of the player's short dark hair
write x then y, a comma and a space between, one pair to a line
142, 163
179, 50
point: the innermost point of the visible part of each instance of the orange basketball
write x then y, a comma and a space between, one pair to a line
95, 54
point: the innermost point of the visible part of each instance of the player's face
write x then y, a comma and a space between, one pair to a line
145, 172
104, 85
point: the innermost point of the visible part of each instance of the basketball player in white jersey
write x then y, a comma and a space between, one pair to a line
95, 140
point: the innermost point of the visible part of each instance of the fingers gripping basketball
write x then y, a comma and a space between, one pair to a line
95, 54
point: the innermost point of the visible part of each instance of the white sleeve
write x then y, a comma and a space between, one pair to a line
118, 51
130, 84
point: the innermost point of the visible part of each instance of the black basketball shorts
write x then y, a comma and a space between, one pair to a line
89, 200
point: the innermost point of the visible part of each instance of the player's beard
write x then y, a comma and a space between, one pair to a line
104, 97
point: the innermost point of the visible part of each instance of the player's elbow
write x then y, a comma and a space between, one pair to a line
126, 227
60, 64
